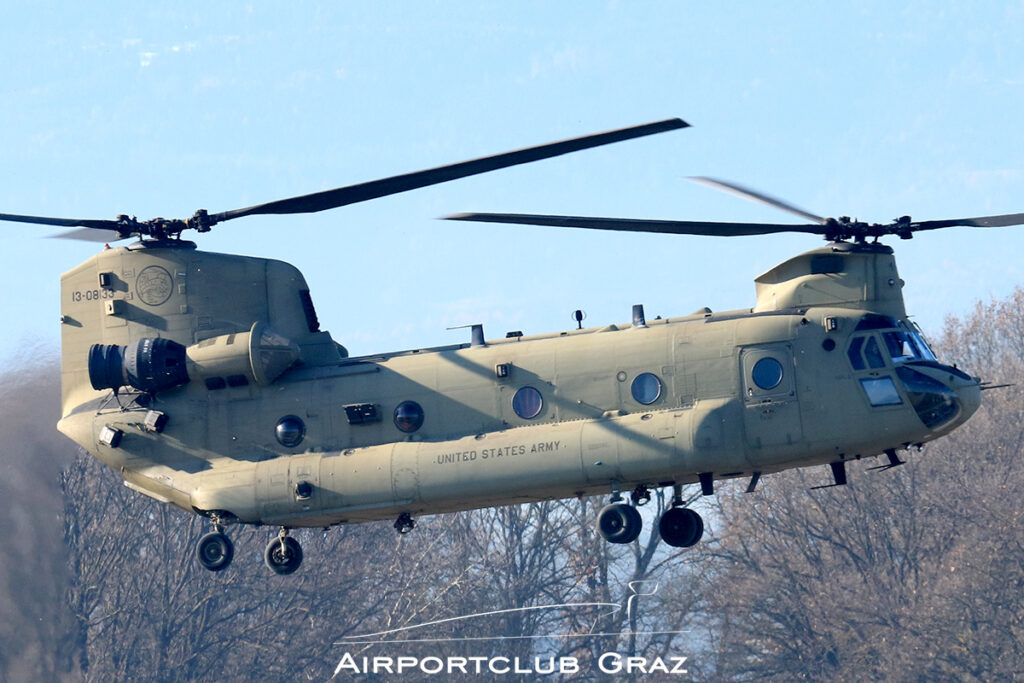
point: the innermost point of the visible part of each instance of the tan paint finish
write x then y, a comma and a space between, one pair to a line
218, 452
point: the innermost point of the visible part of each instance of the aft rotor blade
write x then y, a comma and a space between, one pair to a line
330, 199
979, 222
754, 195
714, 229
62, 222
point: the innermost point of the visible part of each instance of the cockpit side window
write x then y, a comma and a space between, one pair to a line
856, 360
873, 354
881, 391
902, 346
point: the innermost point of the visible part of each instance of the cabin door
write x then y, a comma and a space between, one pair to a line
771, 406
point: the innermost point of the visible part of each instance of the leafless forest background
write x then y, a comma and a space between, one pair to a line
910, 574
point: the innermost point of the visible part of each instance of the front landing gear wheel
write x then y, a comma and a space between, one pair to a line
283, 554
619, 523
681, 527
215, 551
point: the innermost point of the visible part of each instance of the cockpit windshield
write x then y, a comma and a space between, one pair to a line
906, 346
899, 346
922, 345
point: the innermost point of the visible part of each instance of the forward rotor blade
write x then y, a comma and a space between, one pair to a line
979, 222
100, 235
62, 222
756, 196
714, 229
330, 199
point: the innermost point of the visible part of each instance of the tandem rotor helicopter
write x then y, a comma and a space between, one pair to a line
207, 382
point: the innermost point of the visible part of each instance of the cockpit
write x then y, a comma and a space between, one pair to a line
901, 343
894, 365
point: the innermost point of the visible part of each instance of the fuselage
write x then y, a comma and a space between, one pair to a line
273, 423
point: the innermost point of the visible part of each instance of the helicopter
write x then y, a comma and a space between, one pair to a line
206, 381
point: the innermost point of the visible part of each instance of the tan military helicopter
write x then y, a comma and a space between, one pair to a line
206, 381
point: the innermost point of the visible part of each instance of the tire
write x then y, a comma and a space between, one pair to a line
283, 561
619, 523
215, 551
681, 527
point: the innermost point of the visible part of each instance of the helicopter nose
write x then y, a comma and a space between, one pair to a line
943, 396
968, 391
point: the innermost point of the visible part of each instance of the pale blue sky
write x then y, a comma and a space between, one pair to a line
872, 109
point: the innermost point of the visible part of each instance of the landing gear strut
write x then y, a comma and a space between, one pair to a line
215, 550
283, 554
641, 495
894, 461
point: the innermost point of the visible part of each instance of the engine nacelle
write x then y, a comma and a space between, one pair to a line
260, 355
151, 364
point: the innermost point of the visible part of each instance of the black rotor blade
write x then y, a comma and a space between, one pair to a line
754, 195
714, 229
330, 199
979, 222
62, 222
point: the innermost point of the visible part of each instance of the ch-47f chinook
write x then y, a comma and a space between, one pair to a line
206, 381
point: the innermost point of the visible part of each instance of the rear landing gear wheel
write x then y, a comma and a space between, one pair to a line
215, 551
681, 527
619, 523
283, 554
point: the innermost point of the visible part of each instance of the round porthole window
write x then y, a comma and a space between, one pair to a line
646, 388
289, 431
527, 403
767, 373
408, 416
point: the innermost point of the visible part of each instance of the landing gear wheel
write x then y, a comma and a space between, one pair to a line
681, 527
283, 555
215, 551
619, 523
